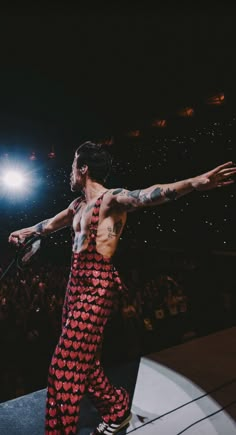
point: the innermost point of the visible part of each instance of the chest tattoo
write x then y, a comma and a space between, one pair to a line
115, 230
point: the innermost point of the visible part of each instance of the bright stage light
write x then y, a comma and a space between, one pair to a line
13, 179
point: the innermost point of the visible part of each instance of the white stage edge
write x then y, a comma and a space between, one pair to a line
178, 378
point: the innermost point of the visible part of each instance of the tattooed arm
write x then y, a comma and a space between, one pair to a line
61, 220
161, 193
154, 195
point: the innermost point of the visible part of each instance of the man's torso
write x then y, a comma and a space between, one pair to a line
110, 226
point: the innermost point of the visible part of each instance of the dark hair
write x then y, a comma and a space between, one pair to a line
96, 158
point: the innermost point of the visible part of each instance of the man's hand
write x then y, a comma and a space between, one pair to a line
218, 177
19, 236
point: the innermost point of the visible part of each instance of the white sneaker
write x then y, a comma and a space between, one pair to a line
111, 428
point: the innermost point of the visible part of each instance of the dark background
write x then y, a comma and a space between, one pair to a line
69, 74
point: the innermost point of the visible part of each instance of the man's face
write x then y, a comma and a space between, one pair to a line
75, 178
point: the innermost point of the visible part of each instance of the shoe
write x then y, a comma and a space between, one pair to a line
111, 428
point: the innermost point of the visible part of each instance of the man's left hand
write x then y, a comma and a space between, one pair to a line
218, 177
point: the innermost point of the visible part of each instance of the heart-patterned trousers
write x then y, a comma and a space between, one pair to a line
75, 369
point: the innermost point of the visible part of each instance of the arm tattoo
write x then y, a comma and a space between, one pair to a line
117, 191
156, 194
152, 196
79, 241
40, 227
171, 194
135, 194
115, 231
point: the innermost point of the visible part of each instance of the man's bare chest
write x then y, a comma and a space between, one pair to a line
83, 217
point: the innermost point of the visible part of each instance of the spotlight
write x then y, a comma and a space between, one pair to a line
13, 180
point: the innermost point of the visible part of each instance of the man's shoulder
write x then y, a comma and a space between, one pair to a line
114, 191
112, 201
74, 205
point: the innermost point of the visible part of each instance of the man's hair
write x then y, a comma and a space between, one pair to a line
96, 158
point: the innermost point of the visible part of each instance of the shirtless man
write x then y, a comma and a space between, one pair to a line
98, 218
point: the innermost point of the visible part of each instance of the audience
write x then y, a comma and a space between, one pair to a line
157, 314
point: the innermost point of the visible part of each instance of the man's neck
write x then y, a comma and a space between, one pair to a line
93, 190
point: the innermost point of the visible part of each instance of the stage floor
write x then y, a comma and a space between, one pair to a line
189, 388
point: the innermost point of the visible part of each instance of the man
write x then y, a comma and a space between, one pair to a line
98, 218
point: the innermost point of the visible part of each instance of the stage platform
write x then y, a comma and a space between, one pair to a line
189, 388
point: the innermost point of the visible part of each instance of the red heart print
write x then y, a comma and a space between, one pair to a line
74, 399
68, 375
87, 306
66, 385
70, 333
89, 265
90, 298
81, 272
97, 266
65, 396
79, 335
85, 316
76, 314
104, 275
52, 412
74, 323
82, 377
58, 385
61, 363
82, 325
67, 343
101, 292
95, 308
83, 297
84, 346
52, 423
71, 409
73, 355
59, 374
70, 364
76, 345
74, 272
96, 273
65, 353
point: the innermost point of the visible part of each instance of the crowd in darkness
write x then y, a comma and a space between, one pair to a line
180, 284
162, 309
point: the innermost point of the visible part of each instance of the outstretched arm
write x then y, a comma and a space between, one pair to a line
59, 221
162, 193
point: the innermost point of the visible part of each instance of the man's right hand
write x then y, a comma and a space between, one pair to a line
19, 236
